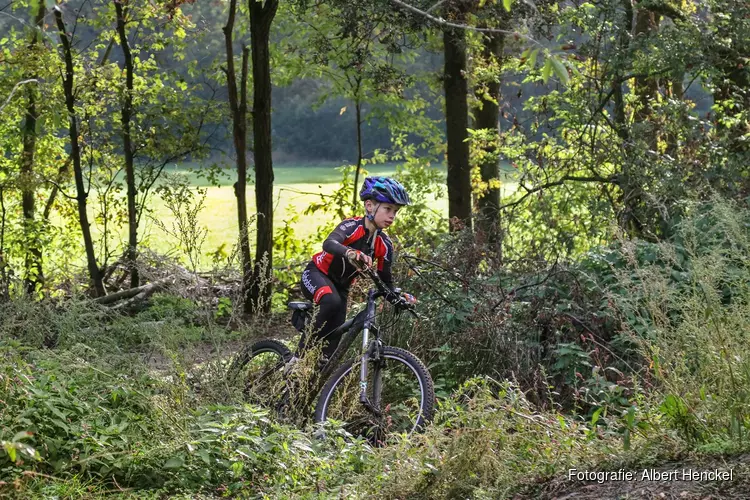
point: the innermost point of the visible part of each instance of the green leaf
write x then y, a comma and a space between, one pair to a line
560, 70
630, 416
532, 58
547, 70
174, 463
302, 446
626, 439
11, 451
507, 4
205, 456
595, 416
21, 435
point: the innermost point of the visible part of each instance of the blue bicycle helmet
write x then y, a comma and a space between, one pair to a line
384, 190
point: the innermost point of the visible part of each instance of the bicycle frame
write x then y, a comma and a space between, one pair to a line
364, 321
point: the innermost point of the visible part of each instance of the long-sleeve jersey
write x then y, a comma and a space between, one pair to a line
352, 233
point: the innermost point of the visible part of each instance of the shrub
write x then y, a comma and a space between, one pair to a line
688, 307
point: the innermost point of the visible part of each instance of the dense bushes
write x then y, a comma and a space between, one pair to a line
634, 353
587, 326
688, 306
120, 406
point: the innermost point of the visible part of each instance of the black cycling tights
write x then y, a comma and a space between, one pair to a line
319, 288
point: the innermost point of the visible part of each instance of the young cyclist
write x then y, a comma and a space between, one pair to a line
360, 240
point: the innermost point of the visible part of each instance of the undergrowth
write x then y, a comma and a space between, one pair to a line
633, 355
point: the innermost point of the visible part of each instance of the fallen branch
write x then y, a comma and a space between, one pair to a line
144, 290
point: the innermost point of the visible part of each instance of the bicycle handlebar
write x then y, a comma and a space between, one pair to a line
389, 294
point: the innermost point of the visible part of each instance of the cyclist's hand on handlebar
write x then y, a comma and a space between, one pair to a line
409, 298
358, 259
402, 300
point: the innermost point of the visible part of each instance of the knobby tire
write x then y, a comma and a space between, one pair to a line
391, 356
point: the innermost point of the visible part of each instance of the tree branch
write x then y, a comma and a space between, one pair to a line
517, 289
606, 180
441, 2
14, 89
60, 189
53, 195
447, 24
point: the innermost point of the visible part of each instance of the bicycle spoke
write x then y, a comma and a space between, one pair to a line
393, 391
397, 392
262, 378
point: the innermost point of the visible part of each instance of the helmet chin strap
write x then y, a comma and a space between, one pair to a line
371, 216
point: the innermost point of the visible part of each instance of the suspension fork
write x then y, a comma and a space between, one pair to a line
368, 350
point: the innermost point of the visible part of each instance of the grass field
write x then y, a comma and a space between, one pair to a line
295, 188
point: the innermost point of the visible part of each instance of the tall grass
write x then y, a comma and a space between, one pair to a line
97, 402
688, 307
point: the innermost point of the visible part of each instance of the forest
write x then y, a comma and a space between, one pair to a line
578, 243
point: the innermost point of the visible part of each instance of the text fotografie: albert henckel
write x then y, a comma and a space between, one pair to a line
651, 475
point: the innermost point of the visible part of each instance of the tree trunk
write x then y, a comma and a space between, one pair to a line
629, 198
75, 153
675, 90
62, 172
358, 112
126, 114
457, 123
238, 109
261, 17
732, 85
33, 278
646, 87
4, 269
618, 80
487, 118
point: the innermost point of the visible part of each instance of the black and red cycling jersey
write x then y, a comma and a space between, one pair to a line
352, 233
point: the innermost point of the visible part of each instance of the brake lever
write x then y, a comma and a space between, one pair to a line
365, 269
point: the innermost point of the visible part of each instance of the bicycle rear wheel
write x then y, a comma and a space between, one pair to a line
399, 389
259, 369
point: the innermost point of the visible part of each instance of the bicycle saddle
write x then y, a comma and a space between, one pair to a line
300, 306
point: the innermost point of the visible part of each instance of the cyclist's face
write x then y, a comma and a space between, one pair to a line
385, 213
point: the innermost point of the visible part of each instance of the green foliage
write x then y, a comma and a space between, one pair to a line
73, 426
592, 158
582, 333
169, 307
686, 305
489, 441
96, 414
617, 303
185, 207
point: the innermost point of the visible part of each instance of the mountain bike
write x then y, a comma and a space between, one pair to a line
381, 391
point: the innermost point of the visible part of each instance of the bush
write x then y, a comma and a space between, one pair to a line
688, 307
490, 441
80, 414
633, 354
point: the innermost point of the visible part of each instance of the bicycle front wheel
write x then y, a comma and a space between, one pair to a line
400, 396
259, 369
